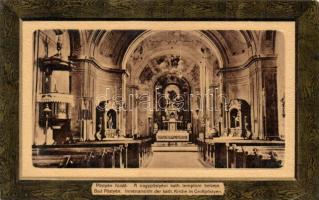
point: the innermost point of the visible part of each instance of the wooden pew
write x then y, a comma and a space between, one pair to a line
107, 154
232, 153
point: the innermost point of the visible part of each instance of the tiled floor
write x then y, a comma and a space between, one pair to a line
175, 160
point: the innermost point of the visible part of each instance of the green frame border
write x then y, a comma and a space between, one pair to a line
306, 15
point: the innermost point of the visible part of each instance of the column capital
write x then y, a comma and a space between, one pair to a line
133, 87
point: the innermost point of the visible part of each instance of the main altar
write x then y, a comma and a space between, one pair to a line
172, 136
171, 120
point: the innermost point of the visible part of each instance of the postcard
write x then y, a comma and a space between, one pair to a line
137, 100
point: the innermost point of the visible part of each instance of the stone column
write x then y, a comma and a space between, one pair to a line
207, 110
264, 99
260, 101
202, 106
223, 100
134, 109
123, 107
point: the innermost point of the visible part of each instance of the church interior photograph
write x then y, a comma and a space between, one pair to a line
158, 99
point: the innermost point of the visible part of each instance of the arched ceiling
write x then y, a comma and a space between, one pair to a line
155, 53
235, 41
107, 47
232, 48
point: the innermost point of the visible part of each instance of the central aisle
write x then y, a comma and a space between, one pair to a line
175, 160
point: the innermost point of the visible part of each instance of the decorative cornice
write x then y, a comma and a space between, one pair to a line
97, 65
133, 87
250, 61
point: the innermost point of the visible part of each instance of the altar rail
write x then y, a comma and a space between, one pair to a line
228, 153
98, 154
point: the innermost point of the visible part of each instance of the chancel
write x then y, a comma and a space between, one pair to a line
150, 98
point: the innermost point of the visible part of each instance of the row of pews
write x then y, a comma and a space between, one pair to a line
240, 153
126, 153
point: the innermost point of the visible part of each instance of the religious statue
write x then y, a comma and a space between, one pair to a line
50, 139
155, 127
236, 118
98, 134
248, 134
196, 124
171, 95
109, 121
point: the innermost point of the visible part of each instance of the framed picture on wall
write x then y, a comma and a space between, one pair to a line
181, 106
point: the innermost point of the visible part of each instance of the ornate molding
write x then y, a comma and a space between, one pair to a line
97, 65
250, 61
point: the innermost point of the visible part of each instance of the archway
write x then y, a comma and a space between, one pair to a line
171, 102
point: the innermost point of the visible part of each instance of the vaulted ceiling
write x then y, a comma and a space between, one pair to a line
110, 47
